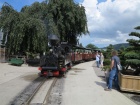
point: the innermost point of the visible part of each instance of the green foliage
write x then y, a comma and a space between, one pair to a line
135, 34
107, 56
133, 62
122, 53
22, 31
134, 42
119, 46
132, 55
91, 46
68, 20
80, 45
137, 28
107, 63
107, 53
106, 68
28, 30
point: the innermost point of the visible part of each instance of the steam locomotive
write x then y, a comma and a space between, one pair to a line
61, 57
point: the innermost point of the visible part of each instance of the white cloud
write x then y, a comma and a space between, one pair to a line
103, 40
100, 42
111, 21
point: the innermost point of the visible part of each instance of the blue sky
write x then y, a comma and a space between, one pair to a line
109, 21
18, 4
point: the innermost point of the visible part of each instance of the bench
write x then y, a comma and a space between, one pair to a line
16, 61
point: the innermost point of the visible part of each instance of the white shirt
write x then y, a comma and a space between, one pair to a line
97, 57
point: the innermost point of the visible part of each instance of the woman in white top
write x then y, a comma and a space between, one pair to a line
101, 59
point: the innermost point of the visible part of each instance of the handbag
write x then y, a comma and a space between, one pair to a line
119, 67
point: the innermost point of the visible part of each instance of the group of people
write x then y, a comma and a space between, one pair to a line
113, 74
99, 59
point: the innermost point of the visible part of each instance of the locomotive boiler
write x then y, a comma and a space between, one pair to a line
58, 60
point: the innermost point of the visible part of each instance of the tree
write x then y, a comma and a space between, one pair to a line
92, 46
22, 31
122, 51
108, 51
68, 20
29, 29
133, 52
107, 55
80, 45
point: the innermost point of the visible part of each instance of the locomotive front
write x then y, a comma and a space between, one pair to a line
56, 62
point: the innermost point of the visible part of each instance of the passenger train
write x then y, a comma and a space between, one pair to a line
61, 57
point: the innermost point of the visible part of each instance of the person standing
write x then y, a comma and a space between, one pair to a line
113, 75
101, 59
97, 59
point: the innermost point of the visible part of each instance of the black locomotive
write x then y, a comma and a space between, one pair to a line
58, 60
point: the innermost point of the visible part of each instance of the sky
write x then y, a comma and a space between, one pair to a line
109, 21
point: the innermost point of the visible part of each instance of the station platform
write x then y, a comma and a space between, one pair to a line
83, 87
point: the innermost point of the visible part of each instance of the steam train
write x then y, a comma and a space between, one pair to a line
61, 57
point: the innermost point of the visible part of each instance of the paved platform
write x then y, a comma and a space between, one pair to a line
83, 87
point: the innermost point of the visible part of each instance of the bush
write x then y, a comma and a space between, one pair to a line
107, 62
106, 65
132, 56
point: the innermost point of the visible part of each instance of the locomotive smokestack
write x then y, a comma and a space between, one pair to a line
53, 40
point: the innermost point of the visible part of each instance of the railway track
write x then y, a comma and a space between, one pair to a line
34, 92
28, 94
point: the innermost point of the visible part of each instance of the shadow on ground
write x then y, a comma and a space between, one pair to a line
101, 84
